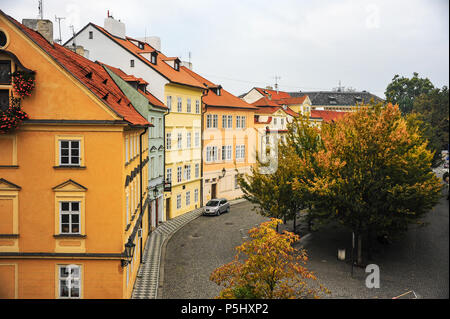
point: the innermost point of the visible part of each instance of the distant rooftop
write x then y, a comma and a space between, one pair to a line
337, 98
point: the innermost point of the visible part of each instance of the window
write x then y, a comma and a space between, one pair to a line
188, 140
177, 65
178, 201
187, 172
4, 100
211, 120
275, 121
230, 121
179, 174
169, 102
179, 140
211, 153
179, 108
160, 128
169, 175
188, 198
224, 121
197, 170
197, 106
69, 281
208, 121
3, 39
238, 121
69, 152
282, 122
240, 151
91, 35
126, 149
152, 129
197, 139
226, 152
69, 217
152, 167
5, 70
188, 106
168, 141
215, 121
131, 63
160, 166
196, 195
127, 209
243, 121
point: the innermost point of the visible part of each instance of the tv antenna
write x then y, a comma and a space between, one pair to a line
41, 9
59, 24
73, 33
276, 81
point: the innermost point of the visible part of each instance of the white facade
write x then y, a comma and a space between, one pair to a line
102, 48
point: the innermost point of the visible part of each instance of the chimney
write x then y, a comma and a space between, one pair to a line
44, 27
153, 41
114, 27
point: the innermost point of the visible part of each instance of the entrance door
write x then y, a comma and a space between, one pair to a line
213, 191
167, 209
156, 211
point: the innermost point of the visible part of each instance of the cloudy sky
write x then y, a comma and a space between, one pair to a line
309, 45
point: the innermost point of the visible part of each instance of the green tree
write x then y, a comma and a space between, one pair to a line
272, 190
403, 91
376, 175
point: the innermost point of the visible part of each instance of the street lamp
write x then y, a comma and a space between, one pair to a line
129, 251
224, 171
155, 192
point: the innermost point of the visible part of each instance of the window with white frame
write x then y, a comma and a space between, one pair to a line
226, 152
197, 106
187, 172
169, 102
179, 141
168, 141
188, 140
126, 149
188, 198
69, 281
152, 129
243, 121
169, 175
179, 105
240, 152
160, 166
69, 152
238, 121
215, 120
69, 217
211, 153
196, 195
178, 201
197, 139
179, 174
160, 128
152, 167
211, 120
275, 121
197, 170
127, 208
188, 105
230, 121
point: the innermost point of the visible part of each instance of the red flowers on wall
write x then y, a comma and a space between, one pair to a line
11, 117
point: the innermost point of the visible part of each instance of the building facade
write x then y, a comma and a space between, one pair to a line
73, 192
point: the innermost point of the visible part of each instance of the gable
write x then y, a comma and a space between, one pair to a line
8, 186
58, 94
69, 186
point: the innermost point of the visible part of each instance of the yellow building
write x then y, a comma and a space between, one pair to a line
228, 140
73, 177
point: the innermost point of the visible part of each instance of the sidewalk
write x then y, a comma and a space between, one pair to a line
147, 280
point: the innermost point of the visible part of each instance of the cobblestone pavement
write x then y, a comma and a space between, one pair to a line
148, 278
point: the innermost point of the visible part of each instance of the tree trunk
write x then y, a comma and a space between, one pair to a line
359, 259
295, 222
369, 244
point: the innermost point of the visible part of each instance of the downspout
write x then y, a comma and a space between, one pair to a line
140, 182
164, 163
201, 149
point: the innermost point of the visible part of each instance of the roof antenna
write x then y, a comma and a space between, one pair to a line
276, 82
73, 42
41, 9
59, 23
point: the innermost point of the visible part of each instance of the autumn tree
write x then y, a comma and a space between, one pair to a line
376, 173
268, 267
271, 189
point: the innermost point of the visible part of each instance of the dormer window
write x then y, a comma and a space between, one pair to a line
141, 45
153, 56
332, 99
176, 65
218, 91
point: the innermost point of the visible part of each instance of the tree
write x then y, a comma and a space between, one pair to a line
376, 173
431, 114
403, 91
273, 192
273, 268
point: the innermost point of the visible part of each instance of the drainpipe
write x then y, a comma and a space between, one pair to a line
140, 181
164, 163
201, 148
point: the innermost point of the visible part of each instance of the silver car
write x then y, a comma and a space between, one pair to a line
216, 207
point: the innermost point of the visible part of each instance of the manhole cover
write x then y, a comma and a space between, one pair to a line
228, 223
195, 235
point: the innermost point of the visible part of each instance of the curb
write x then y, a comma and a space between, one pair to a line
151, 271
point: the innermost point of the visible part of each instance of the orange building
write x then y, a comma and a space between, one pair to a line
73, 177
228, 138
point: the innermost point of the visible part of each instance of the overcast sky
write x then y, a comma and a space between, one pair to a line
310, 45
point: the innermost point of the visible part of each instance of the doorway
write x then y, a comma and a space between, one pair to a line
167, 209
213, 191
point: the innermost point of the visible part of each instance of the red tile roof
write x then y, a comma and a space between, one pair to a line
289, 111
265, 102
292, 100
178, 77
225, 99
89, 73
273, 93
152, 99
327, 116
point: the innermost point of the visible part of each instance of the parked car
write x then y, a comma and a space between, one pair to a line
216, 206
